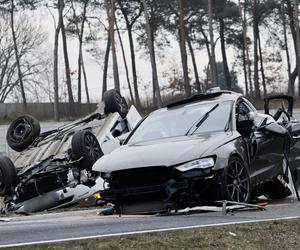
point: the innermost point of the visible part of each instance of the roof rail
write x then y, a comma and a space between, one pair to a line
198, 97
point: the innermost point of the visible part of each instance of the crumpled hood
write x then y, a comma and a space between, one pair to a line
163, 152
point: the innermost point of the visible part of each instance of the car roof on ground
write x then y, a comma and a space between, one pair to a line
220, 95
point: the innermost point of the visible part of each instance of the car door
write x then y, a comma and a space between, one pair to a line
266, 150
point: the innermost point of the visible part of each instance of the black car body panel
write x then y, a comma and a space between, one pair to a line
169, 151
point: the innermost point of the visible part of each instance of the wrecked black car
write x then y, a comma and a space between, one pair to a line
209, 147
54, 168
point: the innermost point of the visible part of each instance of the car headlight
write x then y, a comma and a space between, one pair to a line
203, 163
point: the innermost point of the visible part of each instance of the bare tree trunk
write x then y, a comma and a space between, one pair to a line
132, 51
66, 58
20, 75
263, 77
79, 74
255, 49
290, 11
198, 87
80, 59
183, 53
245, 70
85, 80
224, 56
209, 56
110, 9
105, 68
81, 69
214, 78
248, 62
55, 70
296, 14
150, 41
125, 63
134, 74
291, 87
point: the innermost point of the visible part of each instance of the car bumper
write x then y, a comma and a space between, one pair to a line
148, 196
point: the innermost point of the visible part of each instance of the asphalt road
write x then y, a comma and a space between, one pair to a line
54, 227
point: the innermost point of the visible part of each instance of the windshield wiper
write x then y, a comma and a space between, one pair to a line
199, 122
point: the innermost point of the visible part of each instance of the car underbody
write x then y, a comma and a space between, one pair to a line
55, 170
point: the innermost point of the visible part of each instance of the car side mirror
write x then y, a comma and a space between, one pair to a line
274, 128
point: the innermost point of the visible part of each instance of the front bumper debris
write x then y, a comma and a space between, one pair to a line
157, 189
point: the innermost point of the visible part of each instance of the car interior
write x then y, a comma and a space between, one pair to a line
244, 123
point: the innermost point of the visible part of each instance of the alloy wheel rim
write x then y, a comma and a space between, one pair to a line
238, 184
21, 129
93, 149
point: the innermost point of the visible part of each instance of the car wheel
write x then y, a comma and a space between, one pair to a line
86, 147
8, 176
235, 181
114, 102
22, 132
275, 190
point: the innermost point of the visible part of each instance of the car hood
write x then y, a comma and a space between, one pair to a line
163, 152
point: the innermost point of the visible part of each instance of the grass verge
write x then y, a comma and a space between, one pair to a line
264, 235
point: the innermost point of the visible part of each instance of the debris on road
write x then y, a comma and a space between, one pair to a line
107, 211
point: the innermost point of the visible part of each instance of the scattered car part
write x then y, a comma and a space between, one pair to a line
234, 206
106, 211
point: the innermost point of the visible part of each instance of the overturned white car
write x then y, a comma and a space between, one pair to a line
54, 168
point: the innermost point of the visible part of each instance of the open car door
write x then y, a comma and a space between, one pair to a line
279, 103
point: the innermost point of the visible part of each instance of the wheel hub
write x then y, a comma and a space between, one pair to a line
237, 182
92, 148
21, 130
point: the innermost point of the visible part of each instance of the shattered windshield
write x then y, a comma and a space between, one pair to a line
179, 121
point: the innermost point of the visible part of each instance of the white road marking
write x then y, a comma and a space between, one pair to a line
144, 231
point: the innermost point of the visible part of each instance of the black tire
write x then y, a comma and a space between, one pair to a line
8, 176
275, 190
114, 102
235, 182
22, 132
86, 146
